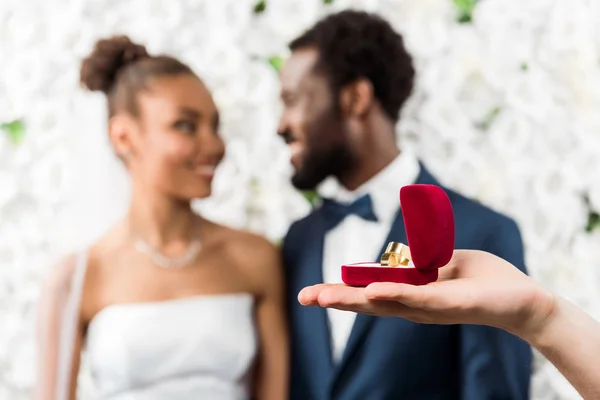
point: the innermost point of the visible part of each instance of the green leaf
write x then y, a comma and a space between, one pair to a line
464, 18
593, 221
15, 130
489, 119
311, 196
327, 1
260, 6
276, 62
465, 10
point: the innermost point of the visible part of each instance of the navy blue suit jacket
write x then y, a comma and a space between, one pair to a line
392, 358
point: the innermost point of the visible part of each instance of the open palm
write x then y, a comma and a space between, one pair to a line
474, 288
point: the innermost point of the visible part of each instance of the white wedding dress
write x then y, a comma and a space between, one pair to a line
200, 347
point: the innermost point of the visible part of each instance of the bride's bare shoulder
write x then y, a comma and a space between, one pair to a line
248, 250
242, 240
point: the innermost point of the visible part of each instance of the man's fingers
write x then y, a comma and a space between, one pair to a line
353, 299
427, 297
309, 295
383, 299
390, 291
341, 295
447, 296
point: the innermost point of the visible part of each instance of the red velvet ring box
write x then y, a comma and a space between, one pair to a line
429, 225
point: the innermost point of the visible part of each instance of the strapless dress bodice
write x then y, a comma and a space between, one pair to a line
201, 347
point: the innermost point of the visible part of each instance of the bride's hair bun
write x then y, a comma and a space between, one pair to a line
121, 69
100, 70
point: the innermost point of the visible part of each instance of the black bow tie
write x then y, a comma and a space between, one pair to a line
336, 212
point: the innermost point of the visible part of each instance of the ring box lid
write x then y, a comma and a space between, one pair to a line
429, 223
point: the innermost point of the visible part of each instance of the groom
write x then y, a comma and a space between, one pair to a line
343, 88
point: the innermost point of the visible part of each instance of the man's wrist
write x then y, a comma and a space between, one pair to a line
546, 314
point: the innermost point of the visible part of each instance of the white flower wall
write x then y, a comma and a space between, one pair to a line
506, 110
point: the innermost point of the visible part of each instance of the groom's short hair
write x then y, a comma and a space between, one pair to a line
355, 44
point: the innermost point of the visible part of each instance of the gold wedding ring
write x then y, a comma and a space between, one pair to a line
395, 254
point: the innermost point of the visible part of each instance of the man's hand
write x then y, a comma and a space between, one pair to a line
474, 288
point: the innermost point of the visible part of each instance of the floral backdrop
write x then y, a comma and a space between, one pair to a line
506, 110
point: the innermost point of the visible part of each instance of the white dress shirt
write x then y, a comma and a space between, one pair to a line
358, 240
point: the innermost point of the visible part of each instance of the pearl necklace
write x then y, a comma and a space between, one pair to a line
169, 262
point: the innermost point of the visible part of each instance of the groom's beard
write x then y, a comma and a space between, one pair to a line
317, 165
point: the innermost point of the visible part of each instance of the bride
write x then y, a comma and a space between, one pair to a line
167, 304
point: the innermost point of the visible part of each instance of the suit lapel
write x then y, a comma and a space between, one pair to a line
425, 178
314, 321
364, 322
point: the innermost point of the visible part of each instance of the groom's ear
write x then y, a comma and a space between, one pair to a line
122, 130
357, 98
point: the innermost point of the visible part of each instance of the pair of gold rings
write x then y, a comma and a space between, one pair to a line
396, 254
